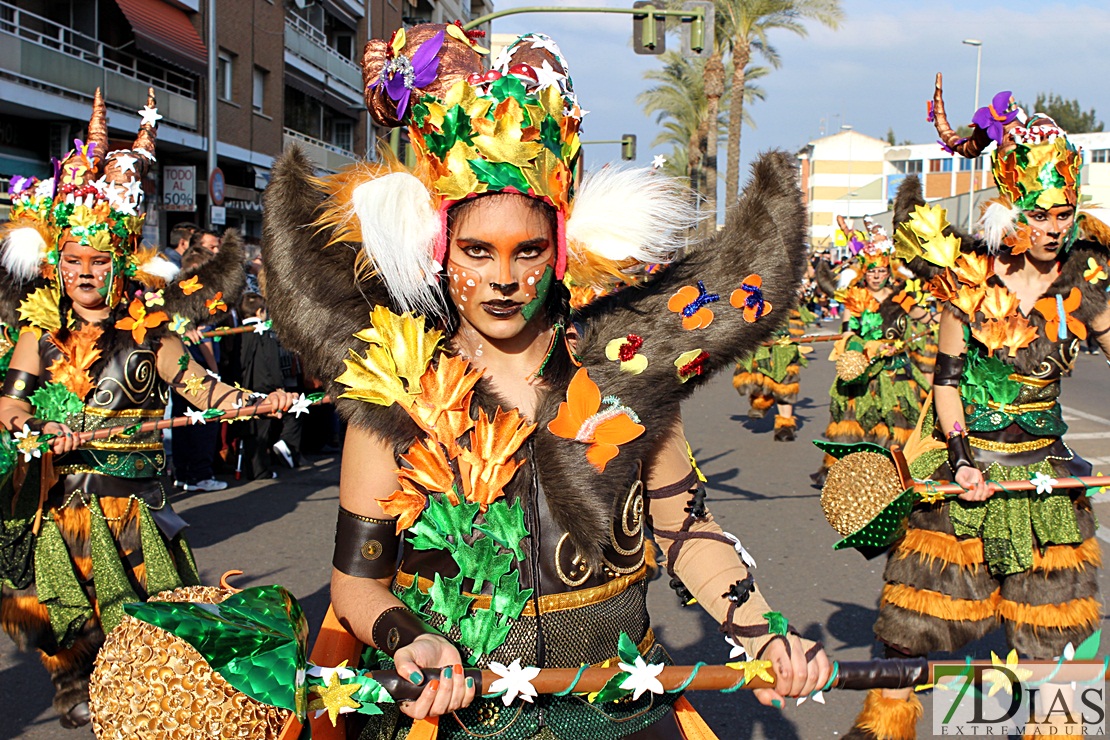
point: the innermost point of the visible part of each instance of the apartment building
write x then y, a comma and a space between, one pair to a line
852, 175
286, 71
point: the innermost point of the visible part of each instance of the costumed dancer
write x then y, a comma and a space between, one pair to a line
1017, 307
505, 458
89, 528
877, 393
771, 375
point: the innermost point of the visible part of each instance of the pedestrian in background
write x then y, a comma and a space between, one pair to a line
259, 357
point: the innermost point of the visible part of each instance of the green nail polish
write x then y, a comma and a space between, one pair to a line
447, 672
415, 677
776, 704
469, 683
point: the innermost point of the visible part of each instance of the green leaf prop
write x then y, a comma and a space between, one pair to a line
424, 535
213, 414
626, 649
482, 562
55, 402
255, 639
413, 597
455, 522
776, 623
508, 598
449, 600
183, 361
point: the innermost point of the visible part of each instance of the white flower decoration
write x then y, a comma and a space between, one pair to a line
195, 417
1043, 483
642, 677
214, 376
27, 442
515, 681
300, 406
658, 161
817, 696
342, 671
150, 116
736, 651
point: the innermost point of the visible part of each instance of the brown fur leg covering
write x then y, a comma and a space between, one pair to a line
886, 719
70, 668
762, 403
785, 422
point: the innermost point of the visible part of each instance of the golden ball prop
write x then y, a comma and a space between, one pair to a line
858, 487
149, 685
850, 365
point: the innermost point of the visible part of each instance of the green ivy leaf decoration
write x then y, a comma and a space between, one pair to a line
132, 430
508, 598
1088, 649
213, 414
449, 600
505, 524
481, 561
316, 397
484, 631
454, 522
183, 361
776, 623
424, 536
55, 402
414, 598
627, 649
611, 690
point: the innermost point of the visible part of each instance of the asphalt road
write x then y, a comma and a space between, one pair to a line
281, 532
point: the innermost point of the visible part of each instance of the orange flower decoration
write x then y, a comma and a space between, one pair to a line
973, 268
216, 304
1050, 308
858, 299
442, 409
582, 419
140, 320
692, 303
79, 352
428, 468
968, 299
488, 466
406, 504
999, 302
190, 286
749, 297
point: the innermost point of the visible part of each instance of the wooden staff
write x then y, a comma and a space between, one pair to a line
259, 409
223, 331
954, 489
813, 338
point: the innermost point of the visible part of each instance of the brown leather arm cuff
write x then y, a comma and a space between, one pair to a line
365, 547
20, 384
959, 454
949, 369
396, 627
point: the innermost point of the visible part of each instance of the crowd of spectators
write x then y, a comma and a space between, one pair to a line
256, 448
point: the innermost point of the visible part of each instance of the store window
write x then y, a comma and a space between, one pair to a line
258, 99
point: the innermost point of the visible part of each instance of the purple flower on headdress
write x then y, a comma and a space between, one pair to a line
994, 117
401, 74
855, 245
19, 184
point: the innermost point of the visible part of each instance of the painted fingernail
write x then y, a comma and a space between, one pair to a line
415, 677
434, 685
469, 683
776, 704
447, 673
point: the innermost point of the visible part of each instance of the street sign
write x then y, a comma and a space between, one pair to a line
217, 186
219, 216
649, 31
179, 188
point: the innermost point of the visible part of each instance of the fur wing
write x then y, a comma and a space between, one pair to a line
314, 297
222, 274
765, 235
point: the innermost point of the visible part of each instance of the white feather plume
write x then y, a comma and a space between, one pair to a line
399, 232
847, 276
160, 267
631, 213
998, 221
23, 252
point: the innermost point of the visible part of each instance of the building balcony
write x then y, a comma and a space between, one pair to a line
307, 51
38, 52
327, 157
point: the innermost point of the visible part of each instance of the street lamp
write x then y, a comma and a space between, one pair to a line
847, 128
971, 187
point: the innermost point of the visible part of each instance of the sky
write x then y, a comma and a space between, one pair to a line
874, 73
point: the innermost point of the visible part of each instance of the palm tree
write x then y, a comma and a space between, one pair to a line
742, 27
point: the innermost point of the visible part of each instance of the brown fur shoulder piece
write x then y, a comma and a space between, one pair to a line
825, 277
315, 300
222, 274
11, 293
764, 235
908, 197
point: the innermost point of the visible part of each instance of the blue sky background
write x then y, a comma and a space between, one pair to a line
874, 73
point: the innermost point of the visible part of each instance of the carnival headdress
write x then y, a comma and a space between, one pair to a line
512, 129
1034, 165
870, 245
95, 198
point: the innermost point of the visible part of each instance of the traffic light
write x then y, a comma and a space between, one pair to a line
697, 34
628, 147
649, 31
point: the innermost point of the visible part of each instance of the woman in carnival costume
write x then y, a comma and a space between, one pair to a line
89, 528
878, 390
1017, 306
771, 376
504, 461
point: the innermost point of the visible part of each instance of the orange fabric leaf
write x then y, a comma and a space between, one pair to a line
992, 334
428, 467
446, 387
487, 466
943, 286
999, 302
1019, 333
858, 299
972, 268
1020, 240
968, 299
79, 352
406, 504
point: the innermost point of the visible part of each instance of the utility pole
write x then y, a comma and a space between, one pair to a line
213, 61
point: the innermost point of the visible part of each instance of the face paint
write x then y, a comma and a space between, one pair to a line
86, 274
542, 289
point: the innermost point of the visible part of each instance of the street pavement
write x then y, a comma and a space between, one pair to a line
280, 531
